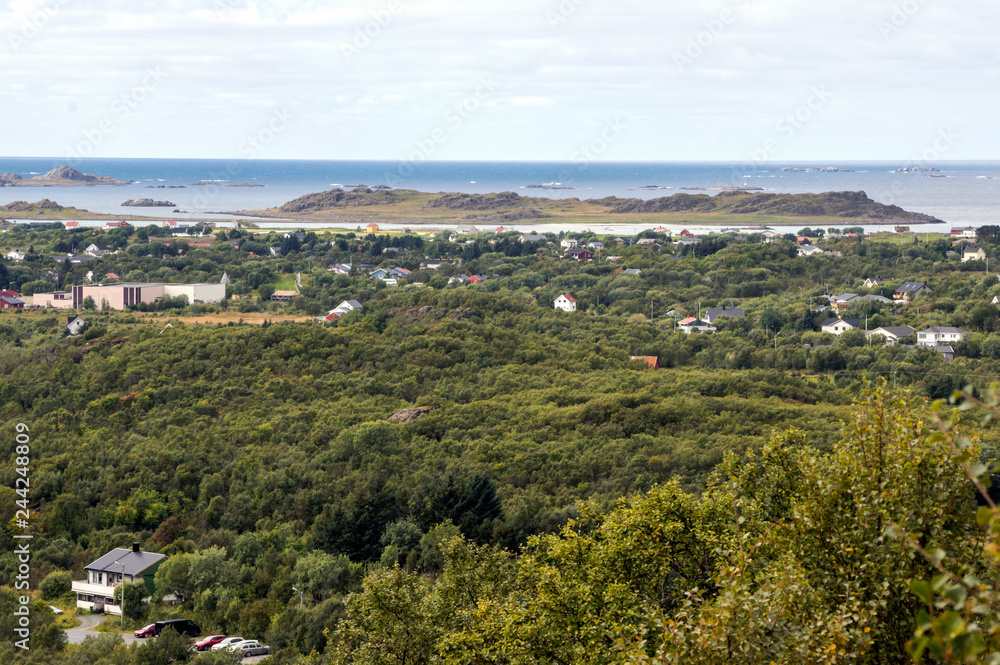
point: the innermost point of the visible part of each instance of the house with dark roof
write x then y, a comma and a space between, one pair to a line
839, 326
973, 253
892, 334
712, 314
97, 592
579, 254
940, 335
11, 303
909, 291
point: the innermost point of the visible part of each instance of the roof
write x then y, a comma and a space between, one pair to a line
851, 322
135, 562
691, 321
568, 297
944, 329
912, 286
844, 296
971, 249
735, 312
12, 301
897, 331
944, 349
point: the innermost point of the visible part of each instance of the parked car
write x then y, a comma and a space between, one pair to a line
182, 626
226, 643
252, 648
146, 631
208, 642
56, 610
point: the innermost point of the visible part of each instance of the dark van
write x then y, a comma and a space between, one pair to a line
182, 626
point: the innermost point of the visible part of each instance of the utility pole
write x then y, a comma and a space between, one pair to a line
123, 594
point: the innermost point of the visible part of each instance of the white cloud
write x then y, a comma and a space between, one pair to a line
231, 63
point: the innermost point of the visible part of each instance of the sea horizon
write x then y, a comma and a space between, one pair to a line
959, 192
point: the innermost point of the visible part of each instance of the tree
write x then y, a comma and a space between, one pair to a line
134, 593
89, 304
55, 584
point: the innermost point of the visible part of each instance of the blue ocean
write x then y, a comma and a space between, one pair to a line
960, 193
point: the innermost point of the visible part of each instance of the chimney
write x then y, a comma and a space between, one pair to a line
135, 547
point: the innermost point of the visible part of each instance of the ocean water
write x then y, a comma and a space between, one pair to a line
961, 193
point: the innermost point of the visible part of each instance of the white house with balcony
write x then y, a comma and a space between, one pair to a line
97, 592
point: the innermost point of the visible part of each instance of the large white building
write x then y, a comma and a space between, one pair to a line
97, 592
941, 336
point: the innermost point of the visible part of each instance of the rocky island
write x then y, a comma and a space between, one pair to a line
729, 206
64, 176
147, 203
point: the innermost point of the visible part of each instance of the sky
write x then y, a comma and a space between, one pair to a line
522, 80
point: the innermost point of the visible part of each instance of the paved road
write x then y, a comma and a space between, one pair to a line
87, 625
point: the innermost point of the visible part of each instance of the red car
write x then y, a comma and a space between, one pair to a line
208, 642
147, 631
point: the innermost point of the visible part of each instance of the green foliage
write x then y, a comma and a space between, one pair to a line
55, 584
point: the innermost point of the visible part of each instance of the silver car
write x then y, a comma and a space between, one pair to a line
252, 648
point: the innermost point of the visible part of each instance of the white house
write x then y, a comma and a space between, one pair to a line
16, 255
873, 282
940, 336
809, 250
892, 334
839, 326
569, 243
694, 325
566, 303
973, 253
74, 325
97, 592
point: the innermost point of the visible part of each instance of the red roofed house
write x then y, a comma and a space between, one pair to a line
9, 293
116, 225
566, 303
111, 275
687, 234
653, 361
72, 225
475, 279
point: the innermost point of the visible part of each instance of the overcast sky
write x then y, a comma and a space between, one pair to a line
656, 80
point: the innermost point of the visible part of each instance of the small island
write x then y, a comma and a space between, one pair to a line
147, 203
64, 176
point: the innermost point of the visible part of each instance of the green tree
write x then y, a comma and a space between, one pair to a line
55, 584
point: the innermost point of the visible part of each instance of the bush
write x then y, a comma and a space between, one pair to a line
56, 584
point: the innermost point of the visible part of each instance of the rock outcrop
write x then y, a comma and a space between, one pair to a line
409, 415
148, 203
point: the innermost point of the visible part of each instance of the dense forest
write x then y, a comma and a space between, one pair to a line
553, 500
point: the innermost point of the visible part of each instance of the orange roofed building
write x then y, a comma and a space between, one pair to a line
653, 361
